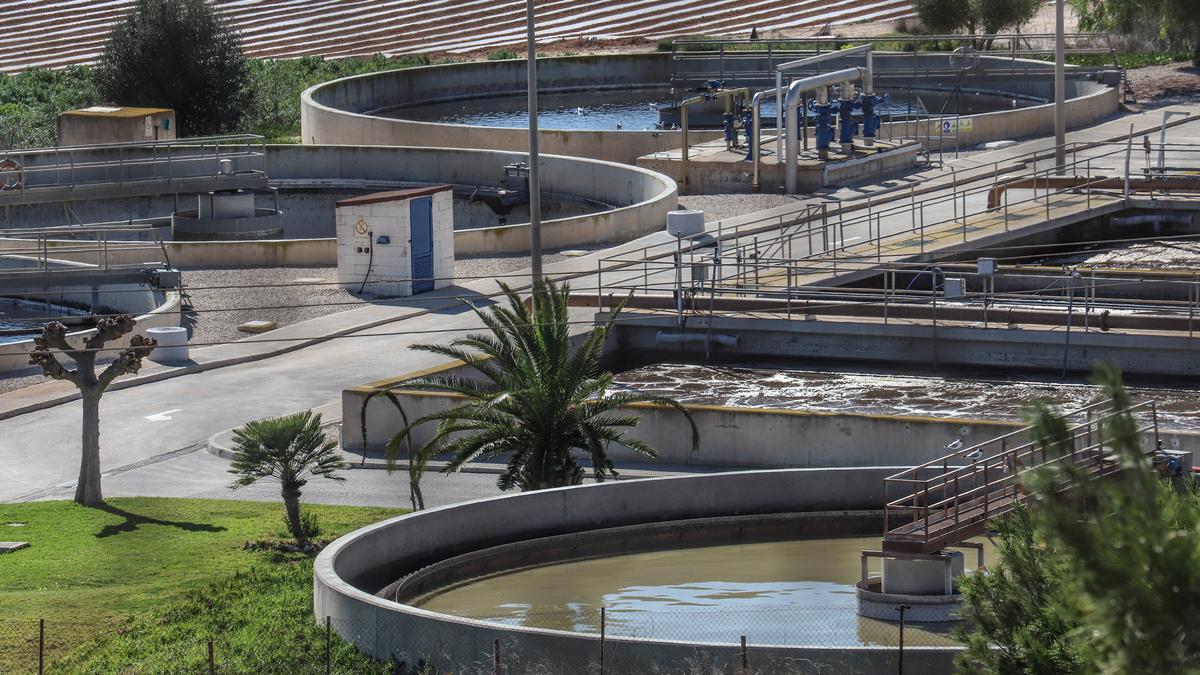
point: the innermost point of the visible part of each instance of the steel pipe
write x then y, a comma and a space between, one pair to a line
791, 103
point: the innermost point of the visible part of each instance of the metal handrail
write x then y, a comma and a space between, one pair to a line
921, 506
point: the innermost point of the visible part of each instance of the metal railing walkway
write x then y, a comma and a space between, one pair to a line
951, 499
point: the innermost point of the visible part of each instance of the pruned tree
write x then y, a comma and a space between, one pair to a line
52, 343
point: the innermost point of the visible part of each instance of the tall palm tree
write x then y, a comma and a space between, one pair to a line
537, 402
290, 449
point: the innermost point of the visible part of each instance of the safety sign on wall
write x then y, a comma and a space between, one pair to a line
362, 237
950, 126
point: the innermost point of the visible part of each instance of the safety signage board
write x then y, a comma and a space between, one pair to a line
962, 124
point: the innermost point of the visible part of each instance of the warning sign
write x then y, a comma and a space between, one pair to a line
963, 124
361, 227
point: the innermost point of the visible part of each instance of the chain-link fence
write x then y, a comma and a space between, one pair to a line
673, 639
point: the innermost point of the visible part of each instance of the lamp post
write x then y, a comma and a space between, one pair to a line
535, 195
1060, 91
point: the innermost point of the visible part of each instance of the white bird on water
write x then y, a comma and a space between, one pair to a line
579, 111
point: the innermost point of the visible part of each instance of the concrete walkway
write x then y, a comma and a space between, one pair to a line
151, 431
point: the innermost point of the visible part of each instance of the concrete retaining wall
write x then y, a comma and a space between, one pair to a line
350, 570
346, 111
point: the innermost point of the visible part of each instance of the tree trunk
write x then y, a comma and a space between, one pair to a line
291, 505
87, 491
1196, 55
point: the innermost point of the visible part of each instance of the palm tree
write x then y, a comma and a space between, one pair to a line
537, 402
290, 449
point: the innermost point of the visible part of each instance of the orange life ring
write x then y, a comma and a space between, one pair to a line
12, 174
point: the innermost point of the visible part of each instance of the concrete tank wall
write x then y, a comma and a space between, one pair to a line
346, 111
349, 571
641, 199
729, 436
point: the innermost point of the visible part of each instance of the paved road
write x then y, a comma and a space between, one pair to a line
39, 450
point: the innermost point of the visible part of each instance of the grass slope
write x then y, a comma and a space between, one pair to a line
178, 565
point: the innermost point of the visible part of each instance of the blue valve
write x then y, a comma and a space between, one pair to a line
871, 119
847, 125
824, 123
748, 128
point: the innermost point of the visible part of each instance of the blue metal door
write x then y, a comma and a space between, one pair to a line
420, 218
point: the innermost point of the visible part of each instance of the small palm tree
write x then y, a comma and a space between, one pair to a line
538, 402
290, 449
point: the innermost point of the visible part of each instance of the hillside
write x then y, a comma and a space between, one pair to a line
56, 33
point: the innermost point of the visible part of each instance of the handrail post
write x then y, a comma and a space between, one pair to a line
987, 491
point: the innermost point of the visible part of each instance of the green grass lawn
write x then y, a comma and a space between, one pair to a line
150, 577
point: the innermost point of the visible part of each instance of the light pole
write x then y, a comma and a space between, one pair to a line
1060, 90
535, 188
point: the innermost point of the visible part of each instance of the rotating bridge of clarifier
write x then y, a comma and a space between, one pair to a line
951, 499
948, 501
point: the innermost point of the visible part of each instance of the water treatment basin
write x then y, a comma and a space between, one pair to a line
785, 593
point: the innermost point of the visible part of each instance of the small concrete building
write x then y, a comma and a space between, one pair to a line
400, 242
111, 124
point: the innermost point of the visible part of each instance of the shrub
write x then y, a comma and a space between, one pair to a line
179, 54
503, 55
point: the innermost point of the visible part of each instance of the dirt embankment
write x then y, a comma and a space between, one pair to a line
1175, 79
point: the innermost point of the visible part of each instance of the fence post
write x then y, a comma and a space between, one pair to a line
41, 646
901, 609
496, 656
211, 669
602, 631
745, 658
328, 645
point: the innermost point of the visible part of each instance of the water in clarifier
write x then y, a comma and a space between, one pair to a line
20, 320
631, 109
791, 593
863, 391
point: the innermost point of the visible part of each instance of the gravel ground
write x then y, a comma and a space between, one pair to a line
1176, 79
719, 207
225, 298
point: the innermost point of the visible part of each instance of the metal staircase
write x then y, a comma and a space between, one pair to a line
951, 499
